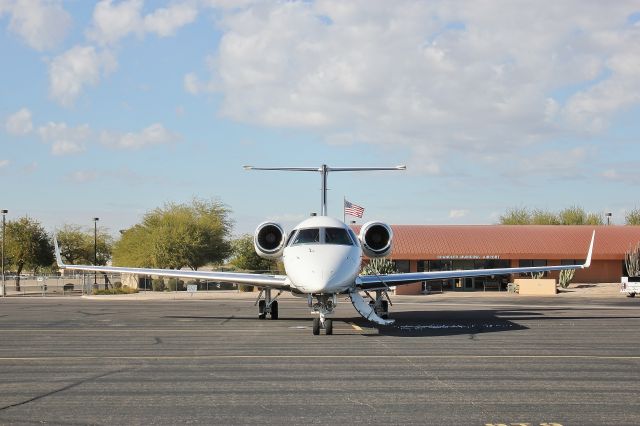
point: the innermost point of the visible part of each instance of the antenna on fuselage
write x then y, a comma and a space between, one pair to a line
324, 171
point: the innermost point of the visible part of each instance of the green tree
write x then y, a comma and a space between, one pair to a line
177, 235
544, 217
594, 219
245, 257
573, 215
132, 249
27, 246
633, 217
516, 216
77, 246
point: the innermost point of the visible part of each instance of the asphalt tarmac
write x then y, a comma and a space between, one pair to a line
449, 360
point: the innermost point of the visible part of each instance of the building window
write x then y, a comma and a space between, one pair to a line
571, 262
529, 263
402, 266
439, 265
492, 263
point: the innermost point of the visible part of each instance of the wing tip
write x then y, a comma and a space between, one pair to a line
59, 261
587, 262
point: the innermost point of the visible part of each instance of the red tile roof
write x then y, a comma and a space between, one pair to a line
415, 242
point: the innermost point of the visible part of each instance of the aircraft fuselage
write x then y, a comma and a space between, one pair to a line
322, 255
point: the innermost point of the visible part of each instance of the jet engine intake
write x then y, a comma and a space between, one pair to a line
376, 239
269, 240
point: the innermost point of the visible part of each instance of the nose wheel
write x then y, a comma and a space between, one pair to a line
324, 305
327, 325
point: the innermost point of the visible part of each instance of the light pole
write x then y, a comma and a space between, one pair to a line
4, 291
95, 250
608, 215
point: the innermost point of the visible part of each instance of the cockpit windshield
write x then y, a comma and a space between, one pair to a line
338, 236
307, 236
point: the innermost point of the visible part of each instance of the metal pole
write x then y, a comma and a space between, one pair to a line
4, 288
95, 250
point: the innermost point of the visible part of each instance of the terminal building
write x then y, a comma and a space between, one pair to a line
419, 248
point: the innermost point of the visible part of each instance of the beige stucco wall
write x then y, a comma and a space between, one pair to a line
536, 287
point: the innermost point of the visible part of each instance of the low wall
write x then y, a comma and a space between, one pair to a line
536, 287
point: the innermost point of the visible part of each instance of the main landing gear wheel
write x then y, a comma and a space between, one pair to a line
385, 309
267, 305
316, 326
262, 309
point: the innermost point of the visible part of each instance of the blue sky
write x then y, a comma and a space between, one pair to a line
113, 108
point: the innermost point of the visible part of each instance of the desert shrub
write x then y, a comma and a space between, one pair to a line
157, 284
117, 285
245, 288
379, 266
565, 277
174, 284
632, 260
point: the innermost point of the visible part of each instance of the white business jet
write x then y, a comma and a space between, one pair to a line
322, 257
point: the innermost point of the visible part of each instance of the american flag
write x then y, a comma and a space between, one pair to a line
352, 209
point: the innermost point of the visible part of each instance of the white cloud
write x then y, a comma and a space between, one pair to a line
19, 123
42, 24
458, 213
65, 140
82, 176
436, 78
113, 22
155, 134
166, 21
4, 163
548, 164
76, 68
624, 172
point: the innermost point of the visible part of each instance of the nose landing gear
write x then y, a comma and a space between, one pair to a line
323, 307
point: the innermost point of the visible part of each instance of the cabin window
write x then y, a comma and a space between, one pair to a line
337, 236
307, 236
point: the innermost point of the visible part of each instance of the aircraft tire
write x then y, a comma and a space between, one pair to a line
262, 304
316, 326
385, 309
274, 310
328, 327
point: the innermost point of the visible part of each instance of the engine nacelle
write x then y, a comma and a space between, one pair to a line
376, 239
269, 240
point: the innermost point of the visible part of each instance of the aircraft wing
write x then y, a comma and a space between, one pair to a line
259, 280
376, 282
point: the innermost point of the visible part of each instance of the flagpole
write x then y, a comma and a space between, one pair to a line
344, 213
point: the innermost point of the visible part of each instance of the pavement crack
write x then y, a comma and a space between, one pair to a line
70, 386
96, 313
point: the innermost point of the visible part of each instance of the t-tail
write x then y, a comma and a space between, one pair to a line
324, 171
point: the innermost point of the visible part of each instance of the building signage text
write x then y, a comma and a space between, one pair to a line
469, 257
